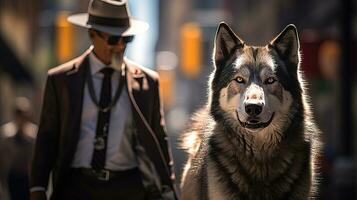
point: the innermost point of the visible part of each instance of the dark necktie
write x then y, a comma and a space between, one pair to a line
100, 142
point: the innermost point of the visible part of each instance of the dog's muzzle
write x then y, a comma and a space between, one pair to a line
254, 123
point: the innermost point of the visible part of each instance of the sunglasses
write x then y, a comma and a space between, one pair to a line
114, 39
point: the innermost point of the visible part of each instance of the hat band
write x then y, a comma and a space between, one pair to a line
107, 21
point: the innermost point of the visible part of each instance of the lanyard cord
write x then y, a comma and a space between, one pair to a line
92, 93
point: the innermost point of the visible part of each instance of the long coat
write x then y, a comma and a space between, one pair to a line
59, 126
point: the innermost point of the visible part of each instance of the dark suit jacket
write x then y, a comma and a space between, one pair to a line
61, 118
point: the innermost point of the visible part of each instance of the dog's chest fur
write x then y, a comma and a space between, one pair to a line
227, 165
232, 174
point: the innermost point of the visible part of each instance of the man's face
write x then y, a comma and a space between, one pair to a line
105, 45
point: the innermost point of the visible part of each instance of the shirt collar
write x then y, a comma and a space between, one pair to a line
96, 65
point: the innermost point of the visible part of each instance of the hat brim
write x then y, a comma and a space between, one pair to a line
136, 26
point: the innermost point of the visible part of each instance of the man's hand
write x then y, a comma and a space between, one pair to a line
38, 195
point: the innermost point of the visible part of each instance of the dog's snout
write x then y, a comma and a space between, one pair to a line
253, 109
254, 100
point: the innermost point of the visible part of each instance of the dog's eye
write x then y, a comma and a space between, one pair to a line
270, 80
239, 79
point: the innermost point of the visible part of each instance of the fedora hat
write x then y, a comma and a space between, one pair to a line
110, 16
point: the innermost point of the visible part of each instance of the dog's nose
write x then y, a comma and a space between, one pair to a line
253, 109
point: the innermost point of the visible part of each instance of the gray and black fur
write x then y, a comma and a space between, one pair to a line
255, 138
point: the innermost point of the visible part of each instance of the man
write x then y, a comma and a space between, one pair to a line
17, 140
101, 133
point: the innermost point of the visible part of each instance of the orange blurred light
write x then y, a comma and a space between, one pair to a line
64, 37
191, 50
167, 87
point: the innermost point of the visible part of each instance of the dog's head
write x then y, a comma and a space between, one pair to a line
255, 88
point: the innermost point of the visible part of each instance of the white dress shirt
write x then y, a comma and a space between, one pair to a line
120, 154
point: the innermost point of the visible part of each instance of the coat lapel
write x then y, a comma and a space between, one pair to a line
73, 86
138, 94
76, 83
136, 86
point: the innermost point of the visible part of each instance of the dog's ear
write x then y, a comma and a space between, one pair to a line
287, 44
226, 42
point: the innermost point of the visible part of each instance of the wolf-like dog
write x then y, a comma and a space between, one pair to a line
255, 138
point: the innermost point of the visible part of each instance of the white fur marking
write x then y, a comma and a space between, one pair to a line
239, 62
